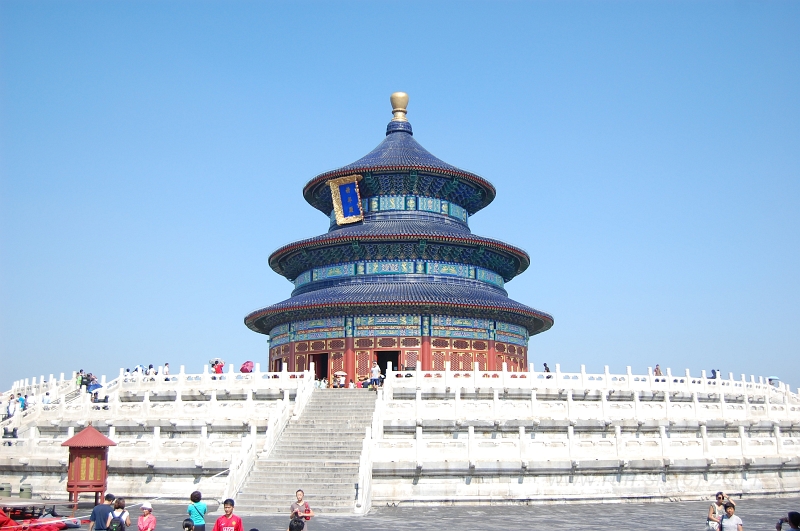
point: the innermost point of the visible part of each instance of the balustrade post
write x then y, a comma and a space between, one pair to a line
495, 403
558, 375
470, 445
583, 376
636, 405
667, 404
618, 440
156, 449
629, 377
662, 431
418, 403
418, 445
742, 440
569, 404
778, 439
722, 407
457, 402
522, 444
533, 402
604, 402
606, 377
704, 437
570, 437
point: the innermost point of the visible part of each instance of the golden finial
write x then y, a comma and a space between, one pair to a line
399, 103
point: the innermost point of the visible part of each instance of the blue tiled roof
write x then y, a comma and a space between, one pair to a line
400, 296
399, 150
403, 229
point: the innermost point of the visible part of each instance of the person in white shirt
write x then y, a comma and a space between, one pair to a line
46, 398
730, 522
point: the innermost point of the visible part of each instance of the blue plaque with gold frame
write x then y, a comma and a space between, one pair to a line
346, 199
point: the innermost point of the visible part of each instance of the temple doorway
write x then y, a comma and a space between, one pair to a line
278, 365
320, 365
385, 357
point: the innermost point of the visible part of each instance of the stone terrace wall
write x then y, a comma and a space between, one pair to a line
499, 437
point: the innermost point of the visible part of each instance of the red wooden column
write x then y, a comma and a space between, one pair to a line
492, 362
350, 359
425, 354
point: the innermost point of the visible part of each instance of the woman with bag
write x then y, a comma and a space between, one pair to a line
119, 518
197, 511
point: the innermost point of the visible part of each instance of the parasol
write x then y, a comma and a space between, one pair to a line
246, 367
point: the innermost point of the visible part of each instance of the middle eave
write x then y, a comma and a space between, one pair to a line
520, 257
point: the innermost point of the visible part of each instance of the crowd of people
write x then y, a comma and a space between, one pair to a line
111, 515
340, 381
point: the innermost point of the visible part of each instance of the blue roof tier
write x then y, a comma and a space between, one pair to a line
400, 296
389, 239
414, 171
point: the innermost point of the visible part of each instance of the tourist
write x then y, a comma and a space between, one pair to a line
99, 516
197, 511
218, 367
793, 519
300, 508
375, 381
547, 370
716, 511
147, 522
729, 521
352, 384
165, 372
46, 398
342, 381
21, 400
296, 524
228, 521
657, 371
119, 516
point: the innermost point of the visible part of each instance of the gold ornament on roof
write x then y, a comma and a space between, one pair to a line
399, 103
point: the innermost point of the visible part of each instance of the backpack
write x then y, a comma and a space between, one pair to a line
116, 523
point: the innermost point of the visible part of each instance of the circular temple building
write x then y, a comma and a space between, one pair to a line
398, 277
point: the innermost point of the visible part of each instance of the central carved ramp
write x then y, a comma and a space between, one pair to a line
318, 452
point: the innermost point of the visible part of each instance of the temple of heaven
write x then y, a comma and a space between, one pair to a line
398, 278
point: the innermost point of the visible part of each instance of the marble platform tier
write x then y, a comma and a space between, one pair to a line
174, 433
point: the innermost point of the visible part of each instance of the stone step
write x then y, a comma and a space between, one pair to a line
300, 466
318, 451
317, 500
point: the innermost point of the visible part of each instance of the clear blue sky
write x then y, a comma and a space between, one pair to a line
645, 154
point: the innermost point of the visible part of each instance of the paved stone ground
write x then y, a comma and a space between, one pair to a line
757, 514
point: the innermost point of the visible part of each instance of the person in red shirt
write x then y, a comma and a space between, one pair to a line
228, 521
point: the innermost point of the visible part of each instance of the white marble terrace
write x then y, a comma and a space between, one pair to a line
523, 432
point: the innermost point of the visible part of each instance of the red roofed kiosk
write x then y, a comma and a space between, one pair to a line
88, 463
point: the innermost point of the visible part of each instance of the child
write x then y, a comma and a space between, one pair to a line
228, 521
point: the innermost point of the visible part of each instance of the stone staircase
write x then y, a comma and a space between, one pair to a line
319, 452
